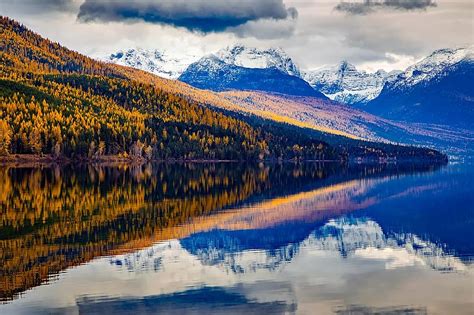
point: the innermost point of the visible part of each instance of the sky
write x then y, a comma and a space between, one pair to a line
371, 34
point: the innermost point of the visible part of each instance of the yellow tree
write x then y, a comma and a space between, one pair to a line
35, 141
5, 137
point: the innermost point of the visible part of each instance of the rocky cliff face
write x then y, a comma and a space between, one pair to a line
345, 84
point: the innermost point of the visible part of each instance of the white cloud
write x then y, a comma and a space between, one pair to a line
389, 39
390, 61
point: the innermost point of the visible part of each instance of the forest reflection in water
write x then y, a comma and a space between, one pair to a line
54, 218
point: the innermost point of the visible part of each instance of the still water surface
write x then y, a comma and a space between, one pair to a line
235, 238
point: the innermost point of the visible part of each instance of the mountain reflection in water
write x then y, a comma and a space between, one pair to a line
240, 238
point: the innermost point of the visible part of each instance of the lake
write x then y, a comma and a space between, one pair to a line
237, 238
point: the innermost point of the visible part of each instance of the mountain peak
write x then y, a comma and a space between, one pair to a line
256, 58
345, 84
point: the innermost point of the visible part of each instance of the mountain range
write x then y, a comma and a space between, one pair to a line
428, 103
343, 82
170, 66
250, 68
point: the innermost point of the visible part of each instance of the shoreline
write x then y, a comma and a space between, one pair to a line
39, 160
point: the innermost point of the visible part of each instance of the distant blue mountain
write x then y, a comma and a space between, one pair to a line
214, 74
437, 90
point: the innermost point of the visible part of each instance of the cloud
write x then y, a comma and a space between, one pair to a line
196, 15
266, 29
370, 6
43, 6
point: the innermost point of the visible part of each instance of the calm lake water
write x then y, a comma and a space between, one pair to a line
236, 238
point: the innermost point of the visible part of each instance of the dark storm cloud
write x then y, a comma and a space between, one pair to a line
370, 6
195, 15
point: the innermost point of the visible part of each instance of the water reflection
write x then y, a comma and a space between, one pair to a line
239, 238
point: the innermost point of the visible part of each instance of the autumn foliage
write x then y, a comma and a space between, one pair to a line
59, 102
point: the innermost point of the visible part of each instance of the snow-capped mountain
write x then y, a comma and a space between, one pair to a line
166, 65
238, 67
439, 89
243, 68
250, 57
435, 65
345, 84
155, 61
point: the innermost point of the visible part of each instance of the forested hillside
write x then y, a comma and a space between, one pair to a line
59, 102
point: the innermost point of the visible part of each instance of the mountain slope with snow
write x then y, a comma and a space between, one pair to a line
249, 57
433, 67
345, 84
437, 90
154, 61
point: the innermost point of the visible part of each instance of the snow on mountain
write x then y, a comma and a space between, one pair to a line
436, 90
170, 66
345, 84
250, 57
433, 66
155, 61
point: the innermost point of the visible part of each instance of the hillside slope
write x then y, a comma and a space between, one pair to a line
351, 122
